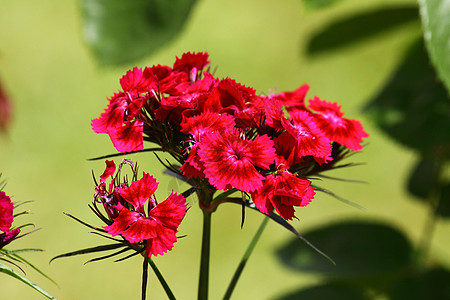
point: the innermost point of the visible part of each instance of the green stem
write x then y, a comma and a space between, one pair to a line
161, 280
204, 259
245, 258
144, 278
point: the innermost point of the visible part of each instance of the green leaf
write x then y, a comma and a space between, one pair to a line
89, 250
329, 290
318, 4
245, 258
161, 280
431, 284
359, 250
422, 179
436, 29
346, 201
358, 28
414, 108
278, 219
35, 268
109, 255
122, 31
443, 209
11, 272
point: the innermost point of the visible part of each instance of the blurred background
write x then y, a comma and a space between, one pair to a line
56, 84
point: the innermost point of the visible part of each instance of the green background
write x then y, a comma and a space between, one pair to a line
57, 87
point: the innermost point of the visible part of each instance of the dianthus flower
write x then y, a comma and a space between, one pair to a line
344, 131
122, 119
224, 136
231, 161
6, 212
6, 219
283, 191
197, 127
306, 137
156, 225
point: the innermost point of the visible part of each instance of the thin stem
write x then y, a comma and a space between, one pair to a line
433, 204
161, 280
203, 281
245, 258
144, 278
428, 228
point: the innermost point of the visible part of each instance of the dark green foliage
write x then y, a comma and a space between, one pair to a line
122, 31
358, 28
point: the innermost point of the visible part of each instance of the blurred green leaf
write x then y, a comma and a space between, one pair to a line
359, 250
354, 29
425, 181
318, 4
329, 290
414, 108
443, 209
436, 28
11, 272
122, 31
422, 179
433, 284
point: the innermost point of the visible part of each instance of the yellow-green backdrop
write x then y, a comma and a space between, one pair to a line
57, 87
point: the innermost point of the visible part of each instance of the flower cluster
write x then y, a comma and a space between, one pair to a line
133, 212
226, 137
6, 219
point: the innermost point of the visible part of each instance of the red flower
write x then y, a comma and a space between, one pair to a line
187, 99
344, 131
8, 237
158, 228
229, 96
6, 219
198, 126
121, 119
230, 160
283, 191
294, 100
5, 110
6, 212
191, 63
109, 171
305, 137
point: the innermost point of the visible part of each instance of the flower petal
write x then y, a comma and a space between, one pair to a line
109, 171
133, 226
139, 191
6, 212
347, 132
170, 212
230, 160
163, 242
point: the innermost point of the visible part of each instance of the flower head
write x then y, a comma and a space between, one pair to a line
6, 219
283, 191
6, 212
224, 136
122, 119
338, 129
138, 217
231, 161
